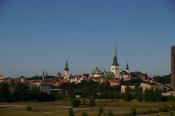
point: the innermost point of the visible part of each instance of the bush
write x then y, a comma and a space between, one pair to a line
43, 97
133, 111
172, 107
71, 112
84, 102
172, 114
84, 114
100, 112
92, 102
75, 102
164, 108
110, 113
139, 98
29, 108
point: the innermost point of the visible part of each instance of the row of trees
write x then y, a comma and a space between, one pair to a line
89, 89
163, 79
150, 95
10, 92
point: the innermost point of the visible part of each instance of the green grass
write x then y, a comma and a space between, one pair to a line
60, 108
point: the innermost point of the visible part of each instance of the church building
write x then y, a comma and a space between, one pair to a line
115, 66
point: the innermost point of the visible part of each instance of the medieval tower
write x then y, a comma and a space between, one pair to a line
115, 66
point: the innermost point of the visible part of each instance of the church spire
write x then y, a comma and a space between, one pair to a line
66, 67
115, 62
115, 49
127, 66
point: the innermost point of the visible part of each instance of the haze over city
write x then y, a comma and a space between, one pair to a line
41, 34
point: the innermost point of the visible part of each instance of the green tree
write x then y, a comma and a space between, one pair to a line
127, 96
92, 101
4, 92
75, 102
153, 95
100, 112
110, 113
71, 112
163, 79
84, 114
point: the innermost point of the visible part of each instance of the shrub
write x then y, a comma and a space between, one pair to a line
100, 112
133, 111
92, 102
29, 108
164, 108
172, 107
84, 102
110, 113
84, 114
75, 102
172, 114
71, 112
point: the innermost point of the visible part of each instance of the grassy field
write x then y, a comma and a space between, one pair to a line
60, 108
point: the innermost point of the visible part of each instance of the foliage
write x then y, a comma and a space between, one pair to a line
43, 97
138, 94
128, 95
166, 108
75, 102
90, 88
133, 111
84, 102
110, 113
153, 95
92, 101
133, 81
11, 92
71, 112
163, 79
4, 92
29, 108
84, 114
100, 112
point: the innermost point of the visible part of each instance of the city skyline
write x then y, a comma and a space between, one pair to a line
37, 35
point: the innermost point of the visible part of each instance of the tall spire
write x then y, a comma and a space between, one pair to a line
66, 67
115, 49
127, 66
43, 76
115, 62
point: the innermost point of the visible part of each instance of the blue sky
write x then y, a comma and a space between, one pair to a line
42, 34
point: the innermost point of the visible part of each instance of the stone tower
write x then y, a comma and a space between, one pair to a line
115, 65
173, 67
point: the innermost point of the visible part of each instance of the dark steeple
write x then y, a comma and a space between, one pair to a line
66, 67
127, 66
115, 62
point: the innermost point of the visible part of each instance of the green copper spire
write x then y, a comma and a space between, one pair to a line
66, 67
115, 62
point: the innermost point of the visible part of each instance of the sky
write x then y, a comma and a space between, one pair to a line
43, 34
